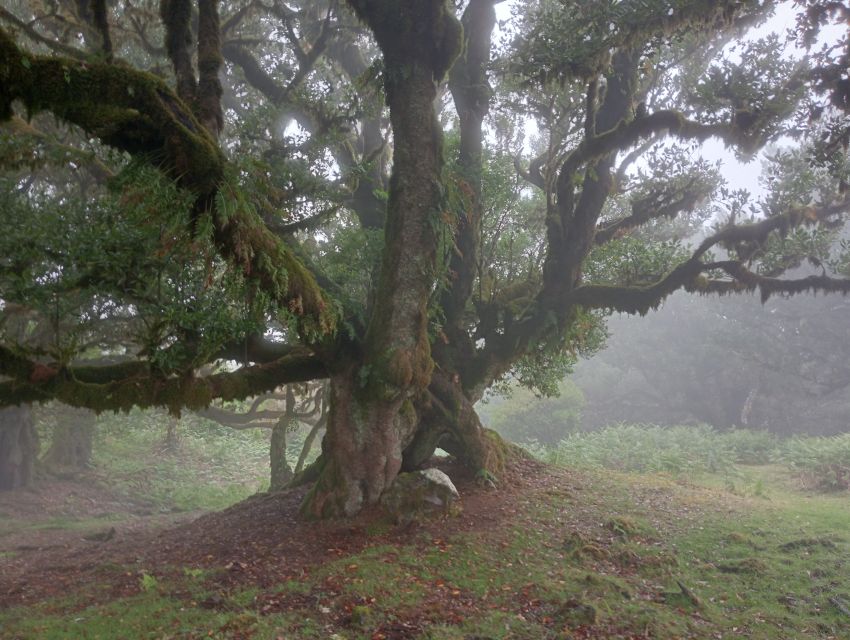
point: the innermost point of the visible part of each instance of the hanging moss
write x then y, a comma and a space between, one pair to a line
124, 386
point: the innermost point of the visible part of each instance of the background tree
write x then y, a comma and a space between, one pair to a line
281, 199
18, 447
282, 412
71, 439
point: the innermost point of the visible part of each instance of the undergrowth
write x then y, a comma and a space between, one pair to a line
209, 467
821, 463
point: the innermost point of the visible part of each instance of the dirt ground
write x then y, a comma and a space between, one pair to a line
261, 541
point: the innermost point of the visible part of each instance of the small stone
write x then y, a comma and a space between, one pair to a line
413, 494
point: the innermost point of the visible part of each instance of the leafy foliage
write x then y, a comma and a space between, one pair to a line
822, 463
124, 268
676, 450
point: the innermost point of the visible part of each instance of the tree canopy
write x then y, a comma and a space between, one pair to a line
207, 200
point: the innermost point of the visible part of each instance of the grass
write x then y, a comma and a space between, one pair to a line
212, 468
60, 523
612, 553
692, 536
821, 463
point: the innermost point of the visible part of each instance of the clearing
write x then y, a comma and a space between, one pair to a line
555, 553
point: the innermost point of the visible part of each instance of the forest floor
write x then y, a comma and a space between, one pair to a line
552, 553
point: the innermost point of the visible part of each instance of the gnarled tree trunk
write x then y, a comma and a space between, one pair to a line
362, 448
18, 447
449, 421
71, 446
372, 417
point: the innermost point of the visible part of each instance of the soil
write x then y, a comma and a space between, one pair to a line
260, 541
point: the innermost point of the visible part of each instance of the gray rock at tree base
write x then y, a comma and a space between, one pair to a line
442, 485
414, 494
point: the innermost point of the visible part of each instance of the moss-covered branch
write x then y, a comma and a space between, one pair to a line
100, 21
209, 63
177, 19
136, 112
124, 386
749, 239
688, 276
643, 212
127, 109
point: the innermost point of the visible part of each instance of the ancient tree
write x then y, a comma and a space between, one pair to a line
240, 195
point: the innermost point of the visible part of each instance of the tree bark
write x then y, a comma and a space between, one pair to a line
71, 446
172, 434
18, 447
372, 417
361, 450
281, 472
449, 421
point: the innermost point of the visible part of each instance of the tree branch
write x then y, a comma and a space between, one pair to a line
643, 211
100, 22
124, 386
177, 19
209, 62
35, 36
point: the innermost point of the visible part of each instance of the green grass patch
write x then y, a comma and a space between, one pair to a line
212, 467
821, 463
671, 559
742, 551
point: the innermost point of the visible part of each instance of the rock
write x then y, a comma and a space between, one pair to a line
414, 494
444, 487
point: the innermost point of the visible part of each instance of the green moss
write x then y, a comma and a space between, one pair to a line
129, 109
327, 497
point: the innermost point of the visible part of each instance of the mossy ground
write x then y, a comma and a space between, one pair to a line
590, 554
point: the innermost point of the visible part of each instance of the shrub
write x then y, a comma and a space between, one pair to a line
820, 462
645, 448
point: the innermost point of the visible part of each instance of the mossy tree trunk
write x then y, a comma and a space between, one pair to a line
449, 421
71, 444
372, 417
18, 447
391, 408
361, 450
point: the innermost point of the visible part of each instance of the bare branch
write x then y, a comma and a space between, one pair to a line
35, 36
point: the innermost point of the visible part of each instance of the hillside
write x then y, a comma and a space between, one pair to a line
555, 554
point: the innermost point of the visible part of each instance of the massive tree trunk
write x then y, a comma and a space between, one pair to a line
362, 449
372, 417
18, 447
71, 445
